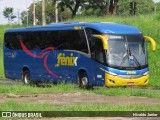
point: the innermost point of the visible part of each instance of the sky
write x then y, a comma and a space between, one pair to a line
18, 5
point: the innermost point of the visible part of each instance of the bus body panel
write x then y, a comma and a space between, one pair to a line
13, 69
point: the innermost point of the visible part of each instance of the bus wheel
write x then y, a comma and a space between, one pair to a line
83, 81
26, 78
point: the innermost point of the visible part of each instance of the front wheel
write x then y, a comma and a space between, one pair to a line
83, 81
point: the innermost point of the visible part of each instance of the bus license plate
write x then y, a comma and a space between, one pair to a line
130, 83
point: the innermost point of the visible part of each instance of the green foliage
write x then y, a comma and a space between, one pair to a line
94, 7
8, 13
72, 5
157, 6
157, 16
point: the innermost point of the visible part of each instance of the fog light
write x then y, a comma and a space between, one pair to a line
146, 81
112, 81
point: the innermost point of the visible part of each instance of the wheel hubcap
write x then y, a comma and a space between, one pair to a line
26, 79
84, 80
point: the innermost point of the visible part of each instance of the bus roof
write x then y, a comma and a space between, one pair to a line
103, 27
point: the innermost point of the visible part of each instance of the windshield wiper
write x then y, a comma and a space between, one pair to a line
128, 54
136, 61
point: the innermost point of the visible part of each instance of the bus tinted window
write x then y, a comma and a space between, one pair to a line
33, 40
51, 39
12, 41
66, 39
69, 40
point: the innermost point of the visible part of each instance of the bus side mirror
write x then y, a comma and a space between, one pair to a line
153, 43
104, 41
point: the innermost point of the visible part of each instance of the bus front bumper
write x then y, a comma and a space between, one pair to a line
111, 80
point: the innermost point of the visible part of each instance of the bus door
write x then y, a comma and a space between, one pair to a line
98, 55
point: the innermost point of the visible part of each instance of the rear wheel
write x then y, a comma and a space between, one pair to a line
83, 80
26, 78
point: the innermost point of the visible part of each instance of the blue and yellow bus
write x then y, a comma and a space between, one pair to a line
88, 54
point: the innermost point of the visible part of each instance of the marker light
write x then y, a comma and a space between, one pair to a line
146, 73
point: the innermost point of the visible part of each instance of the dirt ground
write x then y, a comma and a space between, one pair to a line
74, 98
77, 98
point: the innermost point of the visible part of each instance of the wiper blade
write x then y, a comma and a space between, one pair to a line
128, 55
124, 59
136, 61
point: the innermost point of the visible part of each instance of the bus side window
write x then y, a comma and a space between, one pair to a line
93, 47
12, 41
8, 41
97, 52
51, 39
73, 40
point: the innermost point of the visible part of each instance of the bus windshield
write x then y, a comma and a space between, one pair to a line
126, 51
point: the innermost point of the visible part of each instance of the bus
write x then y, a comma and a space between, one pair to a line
85, 53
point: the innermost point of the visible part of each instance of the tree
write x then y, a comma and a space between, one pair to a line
113, 6
100, 7
8, 13
72, 5
93, 7
50, 13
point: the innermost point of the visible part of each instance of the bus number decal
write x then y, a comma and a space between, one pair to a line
131, 72
63, 60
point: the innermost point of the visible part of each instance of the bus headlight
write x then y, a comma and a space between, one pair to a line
146, 73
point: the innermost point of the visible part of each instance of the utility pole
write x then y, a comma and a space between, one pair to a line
34, 13
18, 16
27, 12
56, 11
43, 13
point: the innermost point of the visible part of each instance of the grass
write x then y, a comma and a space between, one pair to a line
22, 89
2, 66
62, 88
14, 106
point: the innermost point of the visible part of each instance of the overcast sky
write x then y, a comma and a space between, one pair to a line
18, 5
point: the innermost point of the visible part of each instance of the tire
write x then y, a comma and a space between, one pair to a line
83, 81
26, 78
